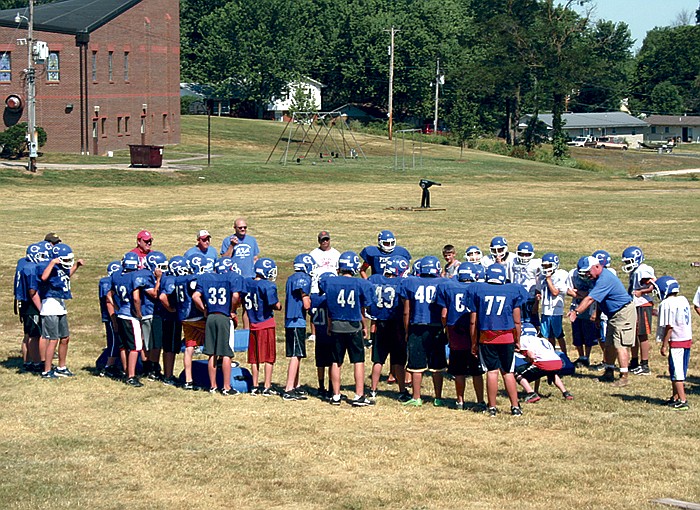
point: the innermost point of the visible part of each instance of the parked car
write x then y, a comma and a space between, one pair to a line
611, 142
582, 141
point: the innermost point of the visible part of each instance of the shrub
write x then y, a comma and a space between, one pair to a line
14, 140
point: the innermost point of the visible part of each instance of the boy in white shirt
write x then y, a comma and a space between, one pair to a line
552, 285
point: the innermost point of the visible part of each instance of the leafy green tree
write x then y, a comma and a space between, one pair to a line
666, 99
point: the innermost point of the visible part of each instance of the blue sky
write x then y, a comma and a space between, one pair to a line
643, 15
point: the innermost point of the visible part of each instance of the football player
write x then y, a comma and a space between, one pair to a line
524, 271
375, 257
584, 331
641, 286
500, 255
473, 254
28, 304
107, 312
148, 281
553, 284
172, 327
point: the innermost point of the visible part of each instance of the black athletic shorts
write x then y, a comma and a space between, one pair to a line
172, 335
426, 348
497, 357
463, 362
389, 339
295, 342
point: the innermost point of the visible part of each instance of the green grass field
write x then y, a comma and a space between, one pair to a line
94, 443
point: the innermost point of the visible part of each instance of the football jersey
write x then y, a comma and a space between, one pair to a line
103, 289
452, 295
376, 258
525, 274
319, 316
184, 288
167, 287
494, 304
216, 291
56, 286
421, 294
259, 297
696, 298
643, 272
551, 304
541, 351
122, 286
674, 311
487, 260
346, 297
387, 302
298, 283
580, 284
144, 280
21, 284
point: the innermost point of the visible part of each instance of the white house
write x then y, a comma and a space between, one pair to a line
311, 89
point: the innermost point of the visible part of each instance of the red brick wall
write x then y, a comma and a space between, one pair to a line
150, 33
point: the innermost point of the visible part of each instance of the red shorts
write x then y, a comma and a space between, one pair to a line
262, 347
193, 331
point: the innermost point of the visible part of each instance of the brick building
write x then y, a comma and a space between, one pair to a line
112, 76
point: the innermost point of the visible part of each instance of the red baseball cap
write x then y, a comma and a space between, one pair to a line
145, 235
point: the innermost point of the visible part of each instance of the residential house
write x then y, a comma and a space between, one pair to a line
618, 124
683, 127
279, 108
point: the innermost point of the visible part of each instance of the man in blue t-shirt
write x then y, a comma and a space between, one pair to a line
242, 248
203, 246
614, 301
346, 297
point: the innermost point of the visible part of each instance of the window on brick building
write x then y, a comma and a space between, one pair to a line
165, 123
110, 66
53, 66
119, 126
126, 125
103, 126
126, 66
6, 66
94, 66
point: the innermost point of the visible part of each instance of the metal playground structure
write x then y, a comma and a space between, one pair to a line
415, 141
325, 135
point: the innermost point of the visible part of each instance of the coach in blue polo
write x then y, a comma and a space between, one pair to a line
242, 248
615, 302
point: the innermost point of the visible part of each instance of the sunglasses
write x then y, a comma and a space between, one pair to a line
150, 241
205, 239
242, 227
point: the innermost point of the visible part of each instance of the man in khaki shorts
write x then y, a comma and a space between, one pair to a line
614, 301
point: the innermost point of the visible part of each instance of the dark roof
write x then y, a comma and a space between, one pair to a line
69, 16
673, 120
593, 120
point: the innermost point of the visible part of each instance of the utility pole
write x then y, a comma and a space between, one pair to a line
439, 80
31, 93
391, 82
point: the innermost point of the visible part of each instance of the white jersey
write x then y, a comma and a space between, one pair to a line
526, 274
539, 349
674, 311
551, 304
696, 299
488, 260
642, 272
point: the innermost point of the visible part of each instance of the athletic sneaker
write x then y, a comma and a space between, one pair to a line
362, 401
621, 382
531, 398
580, 363
459, 406
567, 396
155, 375
229, 392
268, 392
373, 394
516, 411
491, 412
405, 396
641, 370
671, 402
171, 381
608, 376
63, 372
335, 401
438, 402
189, 386
300, 394
49, 375
681, 405
134, 382
213, 391
480, 407
312, 338
255, 391
289, 395
414, 402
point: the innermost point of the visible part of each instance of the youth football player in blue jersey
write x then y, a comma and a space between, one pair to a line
172, 327
216, 298
107, 312
192, 319
390, 338
128, 315
424, 331
28, 304
298, 302
346, 297
452, 297
495, 321
376, 256
259, 296
323, 345
54, 289
147, 285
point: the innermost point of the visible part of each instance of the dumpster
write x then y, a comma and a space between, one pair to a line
149, 156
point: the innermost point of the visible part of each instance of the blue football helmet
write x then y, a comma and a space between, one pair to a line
391, 267
130, 261
603, 256
581, 264
528, 329
473, 254
304, 263
323, 277
499, 247
631, 258
266, 268
177, 266
199, 264
386, 241
480, 273
525, 252
223, 265
65, 256
415, 270
349, 262
156, 260
402, 264
550, 263
665, 286
39, 252
113, 267
467, 272
430, 266
496, 273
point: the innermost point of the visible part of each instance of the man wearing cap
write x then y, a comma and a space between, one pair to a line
614, 301
203, 246
242, 248
325, 256
52, 237
144, 240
